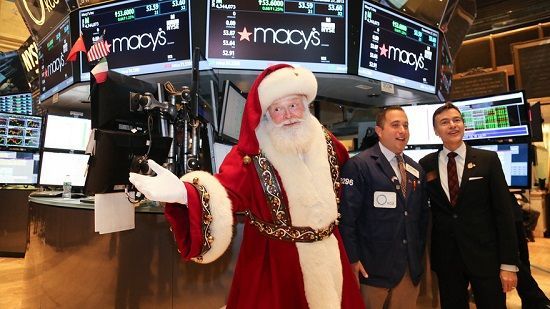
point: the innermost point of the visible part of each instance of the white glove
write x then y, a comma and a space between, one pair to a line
165, 187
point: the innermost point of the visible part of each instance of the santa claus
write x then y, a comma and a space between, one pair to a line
284, 176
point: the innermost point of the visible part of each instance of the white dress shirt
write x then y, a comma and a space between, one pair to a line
392, 159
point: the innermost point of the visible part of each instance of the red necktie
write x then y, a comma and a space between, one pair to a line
452, 178
403, 172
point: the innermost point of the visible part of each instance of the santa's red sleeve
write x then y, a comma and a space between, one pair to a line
203, 228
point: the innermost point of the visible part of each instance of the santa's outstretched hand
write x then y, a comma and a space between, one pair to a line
164, 187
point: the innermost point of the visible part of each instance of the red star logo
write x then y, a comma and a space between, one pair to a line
245, 35
383, 51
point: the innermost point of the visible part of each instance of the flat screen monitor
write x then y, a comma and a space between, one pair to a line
12, 74
113, 157
486, 118
418, 153
110, 102
255, 34
397, 49
56, 73
421, 125
19, 167
18, 103
493, 117
20, 131
145, 36
55, 166
516, 163
67, 133
232, 112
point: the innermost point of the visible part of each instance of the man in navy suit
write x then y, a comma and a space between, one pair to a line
385, 216
473, 233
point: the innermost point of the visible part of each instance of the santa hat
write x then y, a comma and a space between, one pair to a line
275, 82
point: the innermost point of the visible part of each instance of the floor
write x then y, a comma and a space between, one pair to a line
12, 272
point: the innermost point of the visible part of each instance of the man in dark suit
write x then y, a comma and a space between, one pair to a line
473, 234
385, 216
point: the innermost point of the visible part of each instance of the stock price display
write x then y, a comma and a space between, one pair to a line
144, 36
19, 131
253, 34
398, 49
56, 73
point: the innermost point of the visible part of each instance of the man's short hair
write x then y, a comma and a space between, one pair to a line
381, 116
444, 107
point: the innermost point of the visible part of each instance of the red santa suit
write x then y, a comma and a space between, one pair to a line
291, 254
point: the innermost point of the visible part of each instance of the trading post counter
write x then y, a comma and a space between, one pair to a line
69, 265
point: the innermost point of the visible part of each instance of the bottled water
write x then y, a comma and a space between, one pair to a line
67, 187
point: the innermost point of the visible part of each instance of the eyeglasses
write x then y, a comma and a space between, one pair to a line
447, 122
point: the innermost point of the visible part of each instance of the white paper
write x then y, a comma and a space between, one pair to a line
113, 213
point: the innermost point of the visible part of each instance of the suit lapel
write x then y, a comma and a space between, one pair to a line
469, 163
436, 183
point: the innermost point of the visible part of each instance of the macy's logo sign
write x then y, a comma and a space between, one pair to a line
282, 36
406, 57
139, 41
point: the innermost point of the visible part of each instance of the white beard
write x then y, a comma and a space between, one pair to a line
299, 155
295, 139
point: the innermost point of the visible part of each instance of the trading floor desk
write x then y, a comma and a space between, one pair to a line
68, 265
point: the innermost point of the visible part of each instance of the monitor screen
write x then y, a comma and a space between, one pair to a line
67, 133
490, 118
19, 167
145, 36
28, 53
418, 153
56, 73
20, 131
255, 34
232, 112
110, 102
56, 166
19, 103
515, 162
497, 116
397, 49
421, 126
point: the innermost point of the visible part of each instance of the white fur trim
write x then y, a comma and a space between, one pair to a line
322, 271
221, 227
284, 82
312, 202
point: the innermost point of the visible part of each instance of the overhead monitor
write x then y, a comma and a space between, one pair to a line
515, 160
55, 166
41, 16
28, 53
397, 49
56, 73
20, 131
232, 112
145, 36
67, 133
18, 103
494, 117
255, 34
18, 167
